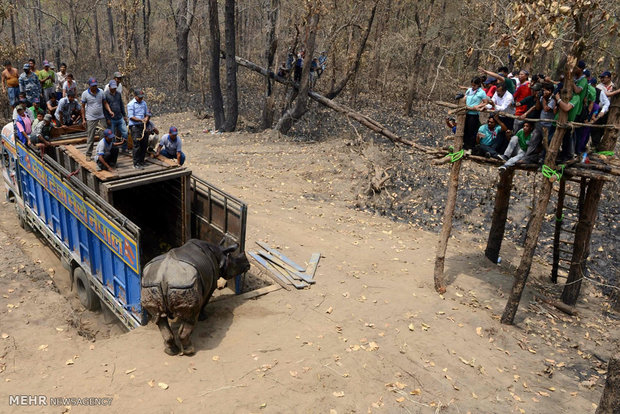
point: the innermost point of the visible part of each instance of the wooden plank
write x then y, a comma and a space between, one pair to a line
313, 264
71, 141
166, 161
80, 157
271, 272
248, 295
281, 256
287, 268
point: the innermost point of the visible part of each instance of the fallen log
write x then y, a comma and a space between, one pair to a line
569, 310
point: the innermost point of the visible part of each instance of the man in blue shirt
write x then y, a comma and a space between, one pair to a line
107, 151
138, 114
487, 139
117, 122
29, 83
170, 146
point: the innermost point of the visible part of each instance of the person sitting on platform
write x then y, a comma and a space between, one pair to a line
36, 121
170, 146
52, 104
487, 139
23, 125
106, 153
36, 109
40, 136
518, 146
69, 110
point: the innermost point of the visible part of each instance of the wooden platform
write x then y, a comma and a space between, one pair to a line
124, 165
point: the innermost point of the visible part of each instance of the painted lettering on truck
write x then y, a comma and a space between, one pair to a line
122, 245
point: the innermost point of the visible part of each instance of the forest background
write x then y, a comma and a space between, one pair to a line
378, 50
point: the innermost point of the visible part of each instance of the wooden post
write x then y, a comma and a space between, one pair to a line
453, 185
538, 214
610, 400
500, 213
588, 213
583, 233
559, 216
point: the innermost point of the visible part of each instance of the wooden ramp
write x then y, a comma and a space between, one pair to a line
124, 165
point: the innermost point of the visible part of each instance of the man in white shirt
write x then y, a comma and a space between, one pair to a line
503, 101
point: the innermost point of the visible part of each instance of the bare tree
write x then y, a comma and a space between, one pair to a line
232, 105
183, 15
214, 70
110, 26
270, 53
295, 113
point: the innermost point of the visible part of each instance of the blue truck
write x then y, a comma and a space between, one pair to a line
106, 226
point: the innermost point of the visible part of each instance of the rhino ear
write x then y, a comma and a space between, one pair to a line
230, 249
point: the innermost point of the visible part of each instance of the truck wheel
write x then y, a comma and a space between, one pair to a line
22, 223
88, 298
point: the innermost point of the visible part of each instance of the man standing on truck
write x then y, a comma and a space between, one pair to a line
170, 146
137, 111
47, 77
10, 82
117, 120
107, 151
29, 83
92, 112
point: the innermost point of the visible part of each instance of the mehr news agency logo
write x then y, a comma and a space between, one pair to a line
44, 400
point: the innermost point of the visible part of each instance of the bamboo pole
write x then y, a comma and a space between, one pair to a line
453, 185
538, 214
500, 213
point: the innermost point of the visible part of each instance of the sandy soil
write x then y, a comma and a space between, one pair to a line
370, 336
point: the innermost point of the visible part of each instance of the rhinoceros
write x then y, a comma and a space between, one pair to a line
178, 285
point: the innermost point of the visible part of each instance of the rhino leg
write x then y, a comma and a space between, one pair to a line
164, 327
185, 332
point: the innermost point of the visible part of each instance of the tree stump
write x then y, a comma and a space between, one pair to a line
610, 400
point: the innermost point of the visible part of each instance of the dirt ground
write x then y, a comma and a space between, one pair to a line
370, 336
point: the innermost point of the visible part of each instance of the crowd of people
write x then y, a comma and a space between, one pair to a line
44, 99
295, 63
525, 107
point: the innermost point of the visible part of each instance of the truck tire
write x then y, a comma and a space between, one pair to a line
88, 298
22, 223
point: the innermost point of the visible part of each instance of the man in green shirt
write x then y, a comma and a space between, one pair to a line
518, 146
575, 108
47, 78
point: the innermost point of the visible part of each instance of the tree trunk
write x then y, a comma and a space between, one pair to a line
414, 79
12, 16
111, 27
376, 59
182, 38
232, 105
285, 123
37, 20
146, 35
270, 53
453, 185
610, 400
500, 213
588, 213
97, 39
336, 89
214, 70
538, 214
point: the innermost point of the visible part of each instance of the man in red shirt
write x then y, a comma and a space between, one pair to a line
522, 92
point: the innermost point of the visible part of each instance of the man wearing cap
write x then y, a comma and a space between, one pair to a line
489, 86
36, 109
137, 111
61, 77
40, 136
68, 111
92, 112
607, 85
29, 83
117, 120
107, 151
47, 77
23, 125
170, 146
10, 82
502, 77
118, 78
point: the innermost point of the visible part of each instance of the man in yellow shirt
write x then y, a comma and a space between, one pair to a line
10, 83
47, 78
